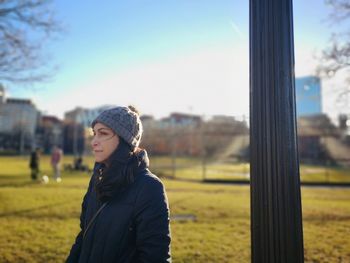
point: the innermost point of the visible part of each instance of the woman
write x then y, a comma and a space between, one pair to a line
125, 212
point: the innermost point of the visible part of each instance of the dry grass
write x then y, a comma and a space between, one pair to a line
38, 222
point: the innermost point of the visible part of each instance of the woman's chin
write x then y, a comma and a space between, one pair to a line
99, 160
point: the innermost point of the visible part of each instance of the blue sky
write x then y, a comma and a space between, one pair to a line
162, 56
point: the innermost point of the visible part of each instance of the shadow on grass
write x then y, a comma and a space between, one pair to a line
24, 212
16, 181
19, 180
325, 217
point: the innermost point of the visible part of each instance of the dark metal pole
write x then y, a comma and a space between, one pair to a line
276, 217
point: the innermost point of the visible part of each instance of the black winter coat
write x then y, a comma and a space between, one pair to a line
132, 227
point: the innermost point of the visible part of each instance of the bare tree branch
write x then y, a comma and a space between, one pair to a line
25, 25
340, 10
336, 56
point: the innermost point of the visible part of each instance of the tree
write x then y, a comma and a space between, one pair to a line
24, 27
335, 59
336, 56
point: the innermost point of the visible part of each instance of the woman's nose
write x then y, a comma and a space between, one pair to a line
94, 141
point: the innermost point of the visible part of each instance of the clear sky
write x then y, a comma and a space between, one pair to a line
163, 56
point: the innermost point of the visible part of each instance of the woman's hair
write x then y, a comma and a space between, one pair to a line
122, 168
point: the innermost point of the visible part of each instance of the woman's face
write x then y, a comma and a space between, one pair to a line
104, 142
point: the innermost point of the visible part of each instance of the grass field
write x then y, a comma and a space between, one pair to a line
192, 168
210, 223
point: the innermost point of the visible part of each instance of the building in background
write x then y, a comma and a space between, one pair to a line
308, 96
344, 124
319, 139
84, 116
18, 122
49, 133
177, 119
77, 124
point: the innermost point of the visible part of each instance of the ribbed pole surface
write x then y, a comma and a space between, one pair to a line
276, 217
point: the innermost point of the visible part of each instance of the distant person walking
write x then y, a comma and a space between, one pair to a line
34, 163
56, 158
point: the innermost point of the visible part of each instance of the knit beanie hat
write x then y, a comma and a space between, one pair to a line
125, 122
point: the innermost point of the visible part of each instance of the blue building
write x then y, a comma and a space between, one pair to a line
308, 96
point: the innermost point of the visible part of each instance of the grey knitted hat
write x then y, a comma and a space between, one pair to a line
124, 121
